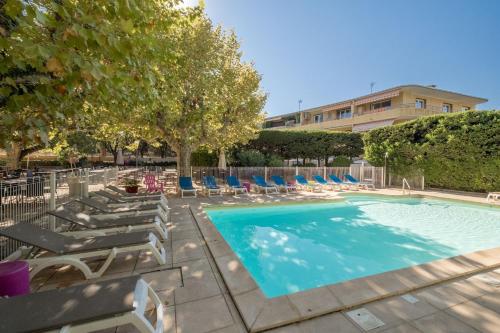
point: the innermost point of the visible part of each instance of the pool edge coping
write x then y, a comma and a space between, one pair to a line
260, 313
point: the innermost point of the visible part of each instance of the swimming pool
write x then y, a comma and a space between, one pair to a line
290, 248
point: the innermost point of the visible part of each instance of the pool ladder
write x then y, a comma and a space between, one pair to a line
405, 182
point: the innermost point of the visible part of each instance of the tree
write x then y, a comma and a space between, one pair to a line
209, 96
73, 145
307, 144
57, 55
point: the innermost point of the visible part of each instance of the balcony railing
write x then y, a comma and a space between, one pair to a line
402, 111
406, 106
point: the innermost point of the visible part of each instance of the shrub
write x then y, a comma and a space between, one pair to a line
130, 182
340, 161
44, 163
251, 158
458, 151
274, 161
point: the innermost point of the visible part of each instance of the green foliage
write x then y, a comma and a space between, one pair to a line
130, 182
203, 157
340, 161
122, 71
251, 158
72, 145
307, 144
274, 161
458, 151
209, 96
55, 56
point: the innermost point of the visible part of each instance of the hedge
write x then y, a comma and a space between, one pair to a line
459, 151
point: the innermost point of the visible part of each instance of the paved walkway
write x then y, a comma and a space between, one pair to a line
197, 300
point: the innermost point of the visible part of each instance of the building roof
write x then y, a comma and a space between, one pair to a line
281, 116
388, 93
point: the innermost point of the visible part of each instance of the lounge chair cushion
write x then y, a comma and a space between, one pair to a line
53, 309
36, 236
261, 182
105, 208
119, 199
301, 180
186, 184
59, 244
278, 180
90, 222
78, 245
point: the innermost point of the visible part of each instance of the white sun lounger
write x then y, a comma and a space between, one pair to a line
72, 251
119, 199
156, 223
84, 308
128, 208
493, 196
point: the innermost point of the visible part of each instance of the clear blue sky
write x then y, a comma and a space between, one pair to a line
323, 51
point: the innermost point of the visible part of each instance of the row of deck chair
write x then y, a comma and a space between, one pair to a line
334, 182
210, 186
91, 306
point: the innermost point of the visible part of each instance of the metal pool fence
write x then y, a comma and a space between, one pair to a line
27, 200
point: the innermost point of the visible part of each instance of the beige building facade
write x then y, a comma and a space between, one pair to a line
383, 108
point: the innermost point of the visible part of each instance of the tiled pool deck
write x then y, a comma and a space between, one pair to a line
206, 289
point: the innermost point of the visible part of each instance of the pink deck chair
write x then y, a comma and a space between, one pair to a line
152, 185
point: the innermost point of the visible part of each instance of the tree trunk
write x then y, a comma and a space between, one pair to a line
13, 156
115, 156
222, 159
184, 160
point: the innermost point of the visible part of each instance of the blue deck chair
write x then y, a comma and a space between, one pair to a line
304, 184
339, 182
234, 185
261, 184
281, 184
210, 185
353, 181
322, 181
186, 185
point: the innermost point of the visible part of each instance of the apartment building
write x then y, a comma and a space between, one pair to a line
383, 108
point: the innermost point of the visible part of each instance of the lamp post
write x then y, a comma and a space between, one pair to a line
300, 117
386, 155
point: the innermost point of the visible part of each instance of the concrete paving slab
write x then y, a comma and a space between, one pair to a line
202, 316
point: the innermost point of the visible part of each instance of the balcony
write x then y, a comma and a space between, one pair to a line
397, 112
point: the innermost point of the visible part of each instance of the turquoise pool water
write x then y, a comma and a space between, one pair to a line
289, 248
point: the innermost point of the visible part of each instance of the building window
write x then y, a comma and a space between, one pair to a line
465, 108
381, 105
344, 113
420, 103
318, 118
447, 108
